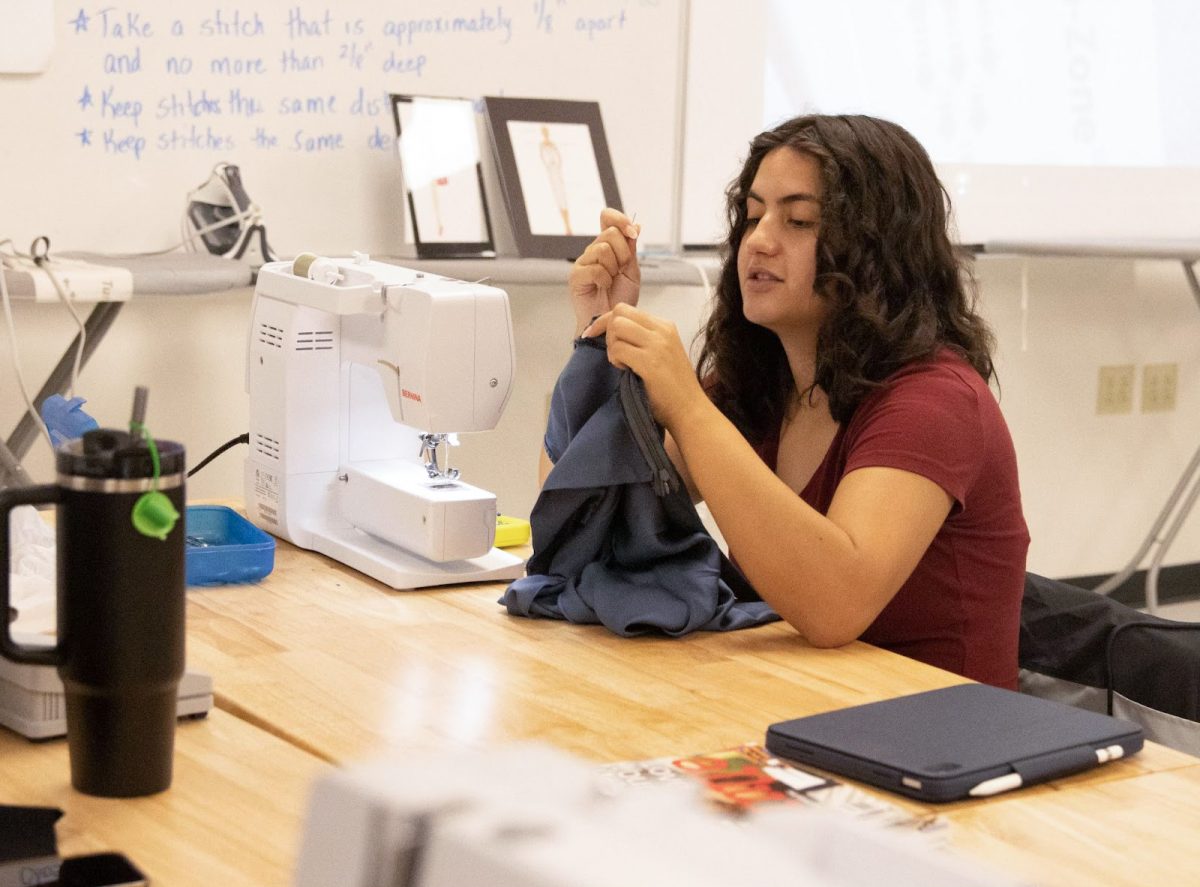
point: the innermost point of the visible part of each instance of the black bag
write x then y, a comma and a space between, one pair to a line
616, 538
1093, 652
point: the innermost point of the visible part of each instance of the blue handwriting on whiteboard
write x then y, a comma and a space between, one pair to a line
364, 106
594, 26
195, 140
110, 107
354, 53
263, 139
316, 39
315, 104
114, 144
545, 19
400, 64
123, 62
244, 105
235, 67
118, 25
330, 141
237, 26
403, 30
290, 62
299, 26
190, 105
379, 140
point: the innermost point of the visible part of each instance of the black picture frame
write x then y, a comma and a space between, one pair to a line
469, 200
583, 184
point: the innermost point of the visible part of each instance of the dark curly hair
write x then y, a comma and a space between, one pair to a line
896, 288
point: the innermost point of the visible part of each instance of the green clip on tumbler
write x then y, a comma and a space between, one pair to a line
121, 603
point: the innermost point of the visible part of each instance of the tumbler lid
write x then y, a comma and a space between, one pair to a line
108, 452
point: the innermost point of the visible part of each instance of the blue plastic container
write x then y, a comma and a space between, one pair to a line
223, 547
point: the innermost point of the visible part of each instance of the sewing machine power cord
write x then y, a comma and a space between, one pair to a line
240, 439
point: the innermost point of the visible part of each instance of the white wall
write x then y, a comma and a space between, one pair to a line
189, 352
1049, 119
1092, 485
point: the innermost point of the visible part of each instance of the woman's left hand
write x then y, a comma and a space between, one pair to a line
651, 348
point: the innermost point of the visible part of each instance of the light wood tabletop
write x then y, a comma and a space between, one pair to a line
346, 668
1114, 832
320, 663
232, 815
349, 669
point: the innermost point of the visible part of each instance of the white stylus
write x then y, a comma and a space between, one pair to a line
997, 784
1010, 781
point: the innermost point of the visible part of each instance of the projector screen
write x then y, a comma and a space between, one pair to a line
1046, 119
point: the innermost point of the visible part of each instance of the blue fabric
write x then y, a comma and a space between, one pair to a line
606, 548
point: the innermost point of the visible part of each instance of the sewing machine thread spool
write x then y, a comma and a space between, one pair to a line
316, 268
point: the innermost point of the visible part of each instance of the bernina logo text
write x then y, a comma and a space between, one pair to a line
411, 395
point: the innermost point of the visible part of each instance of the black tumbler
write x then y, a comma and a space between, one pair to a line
121, 607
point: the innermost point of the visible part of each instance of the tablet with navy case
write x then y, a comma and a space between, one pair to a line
957, 742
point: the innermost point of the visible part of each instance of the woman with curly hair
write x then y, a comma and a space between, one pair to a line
839, 426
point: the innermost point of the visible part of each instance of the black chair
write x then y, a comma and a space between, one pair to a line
1092, 652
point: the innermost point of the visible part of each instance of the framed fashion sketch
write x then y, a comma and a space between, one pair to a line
555, 172
437, 140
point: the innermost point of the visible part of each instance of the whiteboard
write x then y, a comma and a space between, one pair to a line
142, 99
1046, 119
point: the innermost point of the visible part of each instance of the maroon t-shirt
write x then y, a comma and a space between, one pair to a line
960, 609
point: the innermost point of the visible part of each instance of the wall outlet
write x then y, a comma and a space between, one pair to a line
1114, 394
1159, 383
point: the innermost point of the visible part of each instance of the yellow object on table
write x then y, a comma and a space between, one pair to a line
511, 531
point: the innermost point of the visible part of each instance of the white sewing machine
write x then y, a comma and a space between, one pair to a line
360, 374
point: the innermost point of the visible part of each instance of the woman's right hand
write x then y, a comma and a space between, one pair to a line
607, 273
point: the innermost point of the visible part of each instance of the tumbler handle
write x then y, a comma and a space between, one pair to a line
47, 494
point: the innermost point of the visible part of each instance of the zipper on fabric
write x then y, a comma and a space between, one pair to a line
646, 435
597, 342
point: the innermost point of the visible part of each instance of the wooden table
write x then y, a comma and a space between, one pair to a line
348, 669
321, 663
231, 817
1134, 831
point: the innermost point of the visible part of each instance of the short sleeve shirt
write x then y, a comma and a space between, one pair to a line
960, 609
